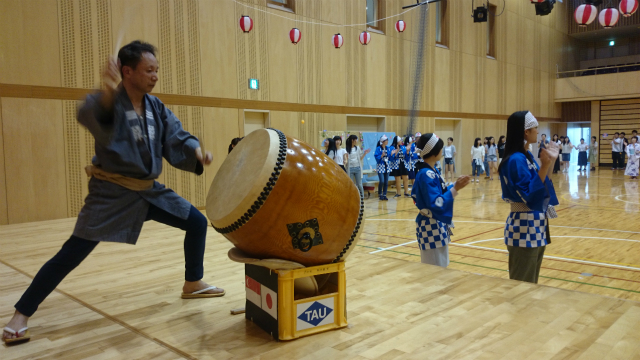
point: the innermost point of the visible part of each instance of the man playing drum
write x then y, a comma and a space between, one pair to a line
133, 131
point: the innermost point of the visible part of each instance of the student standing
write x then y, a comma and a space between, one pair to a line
434, 199
633, 150
449, 162
501, 143
341, 154
330, 148
556, 165
383, 169
582, 155
527, 187
477, 156
616, 151
399, 170
566, 153
593, 153
354, 162
492, 156
486, 160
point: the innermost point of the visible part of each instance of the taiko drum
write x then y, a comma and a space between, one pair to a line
277, 197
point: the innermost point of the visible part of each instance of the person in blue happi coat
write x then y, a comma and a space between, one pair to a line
527, 187
435, 201
383, 157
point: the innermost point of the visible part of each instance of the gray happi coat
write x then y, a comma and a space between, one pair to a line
127, 146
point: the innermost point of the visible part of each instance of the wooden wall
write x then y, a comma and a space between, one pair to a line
615, 116
598, 87
53, 50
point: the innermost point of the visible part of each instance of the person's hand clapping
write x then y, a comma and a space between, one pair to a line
462, 182
206, 159
367, 151
111, 75
550, 154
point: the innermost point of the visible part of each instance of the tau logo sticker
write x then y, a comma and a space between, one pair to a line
314, 314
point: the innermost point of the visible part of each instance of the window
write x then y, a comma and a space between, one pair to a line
375, 12
287, 5
491, 31
442, 23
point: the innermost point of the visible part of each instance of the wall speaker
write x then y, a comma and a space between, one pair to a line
545, 7
480, 14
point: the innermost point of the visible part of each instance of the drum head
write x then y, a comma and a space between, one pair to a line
242, 177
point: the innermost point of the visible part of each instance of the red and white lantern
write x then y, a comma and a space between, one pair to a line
628, 7
585, 14
400, 26
337, 41
246, 24
365, 38
608, 17
295, 35
537, 1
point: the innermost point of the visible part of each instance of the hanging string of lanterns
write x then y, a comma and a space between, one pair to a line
246, 25
585, 14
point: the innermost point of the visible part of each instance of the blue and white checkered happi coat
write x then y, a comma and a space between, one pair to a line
432, 234
394, 164
526, 229
383, 167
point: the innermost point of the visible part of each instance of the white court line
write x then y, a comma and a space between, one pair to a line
630, 202
393, 247
553, 237
501, 223
555, 257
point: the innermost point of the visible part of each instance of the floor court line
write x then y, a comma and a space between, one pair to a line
561, 236
489, 249
502, 223
567, 259
546, 277
562, 258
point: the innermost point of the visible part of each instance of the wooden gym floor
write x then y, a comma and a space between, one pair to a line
123, 301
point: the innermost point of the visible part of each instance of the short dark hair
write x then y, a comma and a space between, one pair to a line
623, 133
616, 133
450, 138
545, 135
634, 131
131, 54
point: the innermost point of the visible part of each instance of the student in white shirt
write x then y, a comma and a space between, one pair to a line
582, 155
633, 150
616, 151
330, 148
354, 156
341, 154
566, 153
492, 156
449, 162
593, 153
477, 158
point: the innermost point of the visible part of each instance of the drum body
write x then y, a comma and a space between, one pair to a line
277, 197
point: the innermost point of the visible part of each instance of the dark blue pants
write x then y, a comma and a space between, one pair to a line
383, 183
76, 249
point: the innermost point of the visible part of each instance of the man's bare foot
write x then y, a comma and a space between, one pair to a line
193, 286
17, 322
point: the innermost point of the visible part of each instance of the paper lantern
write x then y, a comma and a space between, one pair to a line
628, 7
295, 35
400, 26
246, 24
337, 41
365, 38
608, 17
585, 14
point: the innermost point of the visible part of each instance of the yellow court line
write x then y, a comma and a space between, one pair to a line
573, 257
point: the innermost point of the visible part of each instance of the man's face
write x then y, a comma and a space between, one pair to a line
145, 75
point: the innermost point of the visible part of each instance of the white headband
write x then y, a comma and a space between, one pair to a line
418, 134
384, 138
429, 146
530, 121
399, 139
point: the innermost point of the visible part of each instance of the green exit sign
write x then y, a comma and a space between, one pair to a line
253, 84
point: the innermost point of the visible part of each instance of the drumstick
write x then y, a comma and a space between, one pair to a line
238, 311
124, 27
